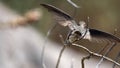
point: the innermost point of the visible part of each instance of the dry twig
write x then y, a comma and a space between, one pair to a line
96, 54
59, 58
61, 52
83, 59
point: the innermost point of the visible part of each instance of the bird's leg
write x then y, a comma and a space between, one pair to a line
106, 53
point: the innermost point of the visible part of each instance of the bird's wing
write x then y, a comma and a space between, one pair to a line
100, 35
61, 17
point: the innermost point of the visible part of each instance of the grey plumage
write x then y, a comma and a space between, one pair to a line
66, 20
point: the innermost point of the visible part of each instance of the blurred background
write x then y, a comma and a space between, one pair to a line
104, 15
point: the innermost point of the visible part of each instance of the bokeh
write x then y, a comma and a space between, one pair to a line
104, 15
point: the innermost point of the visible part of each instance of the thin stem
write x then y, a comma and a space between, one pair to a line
67, 38
103, 48
96, 54
116, 59
60, 55
106, 53
83, 59
44, 45
61, 52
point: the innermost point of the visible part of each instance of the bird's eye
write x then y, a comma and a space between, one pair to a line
78, 33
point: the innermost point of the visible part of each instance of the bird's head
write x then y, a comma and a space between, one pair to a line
82, 25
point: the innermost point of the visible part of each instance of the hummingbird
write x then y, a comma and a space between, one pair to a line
80, 30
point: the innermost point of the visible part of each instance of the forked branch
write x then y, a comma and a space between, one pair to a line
96, 54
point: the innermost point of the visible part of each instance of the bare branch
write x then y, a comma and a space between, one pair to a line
44, 45
83, 59
59, 58
96, 54
106, 53
116, 59
61, 52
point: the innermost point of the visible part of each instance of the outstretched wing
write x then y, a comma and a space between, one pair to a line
61, 17
100, 35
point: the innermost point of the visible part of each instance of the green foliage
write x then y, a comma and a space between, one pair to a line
21, 5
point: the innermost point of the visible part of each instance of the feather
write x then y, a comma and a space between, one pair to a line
65, 20
100, 35
60, 16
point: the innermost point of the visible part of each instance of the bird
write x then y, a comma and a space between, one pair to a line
81, 30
